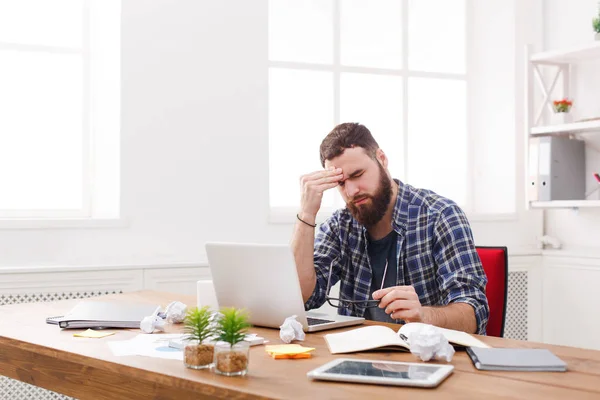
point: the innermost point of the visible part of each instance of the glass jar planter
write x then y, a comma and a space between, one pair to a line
232, 360
198, 355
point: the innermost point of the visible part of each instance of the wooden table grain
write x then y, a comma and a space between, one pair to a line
46, 356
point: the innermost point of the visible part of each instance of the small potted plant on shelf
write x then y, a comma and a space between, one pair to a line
562, 106
232, 352
200, 328
596, 25
561, 113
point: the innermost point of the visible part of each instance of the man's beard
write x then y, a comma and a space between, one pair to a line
370, 214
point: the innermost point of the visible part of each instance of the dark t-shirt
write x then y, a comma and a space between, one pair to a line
382, 251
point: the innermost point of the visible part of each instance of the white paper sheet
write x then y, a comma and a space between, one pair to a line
149, 345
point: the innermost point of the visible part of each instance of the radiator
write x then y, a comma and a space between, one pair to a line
516, 306
11, 389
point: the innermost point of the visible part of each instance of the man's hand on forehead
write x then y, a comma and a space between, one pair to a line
312, 187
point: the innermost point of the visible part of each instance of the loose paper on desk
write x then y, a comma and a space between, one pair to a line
149, 345
428, 342
291, 329
251, 338
151, 323
175, 312
90, 333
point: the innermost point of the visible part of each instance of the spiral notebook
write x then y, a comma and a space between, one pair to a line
97, 314
498, 359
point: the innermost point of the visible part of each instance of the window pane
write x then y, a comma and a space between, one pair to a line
300, 116
436, 38
41, 22
40, 131
376, 102
437, 138
371, 33
301, 31
105, 88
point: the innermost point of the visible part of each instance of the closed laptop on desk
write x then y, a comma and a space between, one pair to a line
499, 359
98, 314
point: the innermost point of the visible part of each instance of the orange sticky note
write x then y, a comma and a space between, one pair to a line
284, 351
288, 349
293, 356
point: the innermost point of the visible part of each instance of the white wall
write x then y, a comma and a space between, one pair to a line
194, 147
496, 120
194, 141
571, 276
569, 24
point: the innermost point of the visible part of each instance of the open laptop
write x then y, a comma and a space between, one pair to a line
262, 278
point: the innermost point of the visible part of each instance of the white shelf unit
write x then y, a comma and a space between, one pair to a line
565, 204
560, 61
587, 52
566, 129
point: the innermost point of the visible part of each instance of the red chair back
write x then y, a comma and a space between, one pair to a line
495, 264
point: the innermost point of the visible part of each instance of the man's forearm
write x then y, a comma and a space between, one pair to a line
457, 316
303, 247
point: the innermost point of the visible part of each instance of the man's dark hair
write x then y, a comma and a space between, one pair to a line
346, 136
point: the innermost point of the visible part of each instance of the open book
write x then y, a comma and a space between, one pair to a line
384, 338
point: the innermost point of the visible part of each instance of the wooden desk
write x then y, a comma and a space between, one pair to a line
43, 355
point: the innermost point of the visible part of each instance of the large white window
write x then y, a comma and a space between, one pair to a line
59, 108
396, 66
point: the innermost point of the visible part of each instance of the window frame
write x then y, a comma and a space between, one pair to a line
87, 216
84, 52
284, 214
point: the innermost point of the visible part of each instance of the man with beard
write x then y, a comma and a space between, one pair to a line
400, 253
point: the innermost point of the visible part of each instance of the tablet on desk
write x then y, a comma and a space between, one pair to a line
382, 372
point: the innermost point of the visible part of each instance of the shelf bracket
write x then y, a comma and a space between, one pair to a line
575, 210
547, 240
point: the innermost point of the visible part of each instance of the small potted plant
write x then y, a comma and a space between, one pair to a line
232, 352
199, 350
596, 25
561, 114
562, 106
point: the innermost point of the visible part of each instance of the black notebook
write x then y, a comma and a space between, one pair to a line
495, 359
97, 314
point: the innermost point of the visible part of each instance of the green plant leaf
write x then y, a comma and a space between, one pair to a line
233, 325
198, 324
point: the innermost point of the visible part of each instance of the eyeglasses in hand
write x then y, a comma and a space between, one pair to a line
346, 303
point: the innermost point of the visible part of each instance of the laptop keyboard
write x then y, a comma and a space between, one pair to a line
317, 321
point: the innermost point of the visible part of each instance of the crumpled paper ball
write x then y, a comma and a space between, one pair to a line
175, 312
151, 323
427, 342
291, 329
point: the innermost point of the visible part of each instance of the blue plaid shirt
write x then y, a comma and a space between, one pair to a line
435, 252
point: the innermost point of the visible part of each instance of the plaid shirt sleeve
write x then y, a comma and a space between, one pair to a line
460, 275
327, 250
